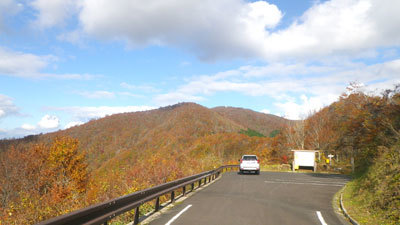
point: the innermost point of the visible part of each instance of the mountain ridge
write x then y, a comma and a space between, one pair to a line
173, 127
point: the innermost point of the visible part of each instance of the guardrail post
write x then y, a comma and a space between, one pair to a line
199, 182
157, 206
184, 190
136, 220
172, 196
192, 186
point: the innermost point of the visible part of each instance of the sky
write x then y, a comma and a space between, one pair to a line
65, 62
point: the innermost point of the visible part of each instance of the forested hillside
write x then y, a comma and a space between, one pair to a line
120, 154
261, 122
366, 127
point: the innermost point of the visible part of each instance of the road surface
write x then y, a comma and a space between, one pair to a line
269, 198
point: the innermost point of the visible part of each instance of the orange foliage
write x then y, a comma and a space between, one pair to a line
41, 181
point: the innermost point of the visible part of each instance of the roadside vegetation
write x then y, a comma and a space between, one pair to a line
373, 197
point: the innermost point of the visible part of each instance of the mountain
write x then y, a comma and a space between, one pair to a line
172, 127
260, 122
123, 153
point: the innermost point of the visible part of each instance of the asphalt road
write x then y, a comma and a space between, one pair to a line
268, 198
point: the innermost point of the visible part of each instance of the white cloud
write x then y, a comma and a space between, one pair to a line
144, 88
7, 106
8, 8
338, 27
46, 124
72, 124
266, 111
97, 94
28, 65
295, 111
54, 12
21, 64
28, 127
86, 113
322, 84
75, 37
176, 97
234, 28
49, 122
128, 94
265, 80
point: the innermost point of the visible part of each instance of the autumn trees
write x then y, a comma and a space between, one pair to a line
41, 181
354, 126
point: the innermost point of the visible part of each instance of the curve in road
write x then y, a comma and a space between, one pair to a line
268, 198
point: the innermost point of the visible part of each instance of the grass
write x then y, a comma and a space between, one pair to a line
357, 207
275, 167
373, 196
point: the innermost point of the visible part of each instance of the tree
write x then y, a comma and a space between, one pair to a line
295, 134
68, 164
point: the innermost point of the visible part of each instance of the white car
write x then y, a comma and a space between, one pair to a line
249, 163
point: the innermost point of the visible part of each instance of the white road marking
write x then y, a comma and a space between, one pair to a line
177, 215
321, 219
320, 184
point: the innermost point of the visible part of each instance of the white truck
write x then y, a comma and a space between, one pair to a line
249, 163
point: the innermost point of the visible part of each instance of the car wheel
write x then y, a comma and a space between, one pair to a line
258, 172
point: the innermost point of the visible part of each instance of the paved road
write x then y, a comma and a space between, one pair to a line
268, 198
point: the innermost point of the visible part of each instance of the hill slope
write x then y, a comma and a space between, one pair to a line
174, 126
261, 122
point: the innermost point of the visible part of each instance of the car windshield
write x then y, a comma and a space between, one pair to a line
249, 157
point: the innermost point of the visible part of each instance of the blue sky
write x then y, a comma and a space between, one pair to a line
64, 62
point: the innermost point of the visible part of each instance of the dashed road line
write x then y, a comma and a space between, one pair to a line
177, 215
321, 219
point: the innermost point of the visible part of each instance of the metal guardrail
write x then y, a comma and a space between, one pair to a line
103, 212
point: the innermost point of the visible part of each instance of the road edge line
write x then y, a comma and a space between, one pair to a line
167, 206
346, 214
178, 215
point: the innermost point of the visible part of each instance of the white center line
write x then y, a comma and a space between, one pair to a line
177, 215
321, 219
